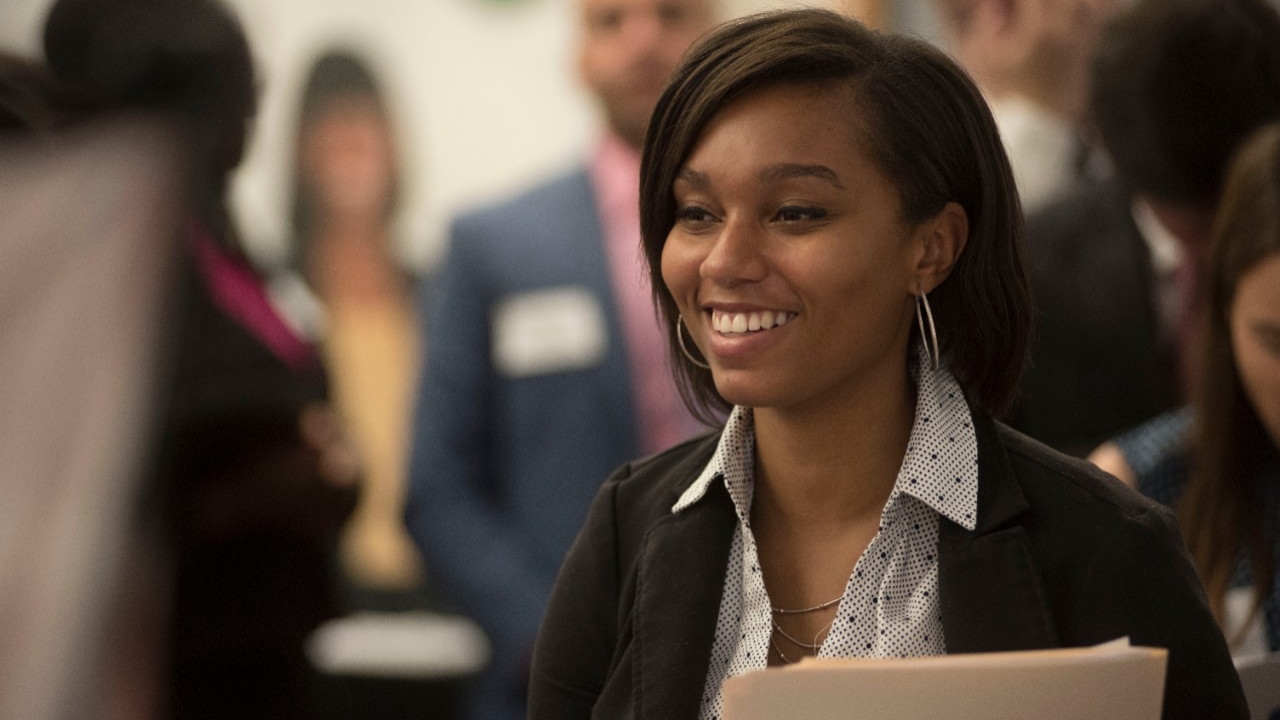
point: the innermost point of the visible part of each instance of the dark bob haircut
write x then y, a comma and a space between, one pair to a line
927, 128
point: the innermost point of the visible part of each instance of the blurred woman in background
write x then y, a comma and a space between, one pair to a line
346, 185
1218, 461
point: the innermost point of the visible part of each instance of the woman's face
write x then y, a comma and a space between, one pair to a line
788, 260
347, 156
1255, 337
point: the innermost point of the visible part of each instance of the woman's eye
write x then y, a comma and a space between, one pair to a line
693, 214
796, 213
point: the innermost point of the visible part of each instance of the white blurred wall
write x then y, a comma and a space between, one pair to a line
485, 94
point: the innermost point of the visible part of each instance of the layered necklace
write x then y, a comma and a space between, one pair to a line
777, 629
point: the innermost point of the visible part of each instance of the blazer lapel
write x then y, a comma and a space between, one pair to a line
992, 595
681, 580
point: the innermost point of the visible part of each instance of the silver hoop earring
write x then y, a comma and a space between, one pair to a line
930, 341
680, 339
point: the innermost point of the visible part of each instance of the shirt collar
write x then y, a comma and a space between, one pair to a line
940, 468
734, 460
941, 464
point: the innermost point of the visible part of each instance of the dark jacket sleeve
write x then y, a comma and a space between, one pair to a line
1159, 598
579, 632
1112, 563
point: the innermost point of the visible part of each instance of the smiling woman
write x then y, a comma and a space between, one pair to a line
836, 248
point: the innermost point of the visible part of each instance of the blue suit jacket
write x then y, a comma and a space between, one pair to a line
505, 464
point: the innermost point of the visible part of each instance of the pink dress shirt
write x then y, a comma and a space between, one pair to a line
662, 417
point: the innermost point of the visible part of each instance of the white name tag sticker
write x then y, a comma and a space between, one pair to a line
548, 331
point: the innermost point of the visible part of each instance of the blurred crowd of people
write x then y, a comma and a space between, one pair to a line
339, 435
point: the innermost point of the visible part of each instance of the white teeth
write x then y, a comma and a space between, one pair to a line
739, 323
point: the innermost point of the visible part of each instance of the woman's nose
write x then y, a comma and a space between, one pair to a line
736, 256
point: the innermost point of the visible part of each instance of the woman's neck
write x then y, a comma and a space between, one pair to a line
353, 227
838, 461
354, 265
822, 478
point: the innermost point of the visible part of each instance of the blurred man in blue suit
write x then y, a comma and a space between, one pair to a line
546, 366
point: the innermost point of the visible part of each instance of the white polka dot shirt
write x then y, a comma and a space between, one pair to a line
890, 605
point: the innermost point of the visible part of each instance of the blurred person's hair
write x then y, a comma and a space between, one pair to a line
1176, 85
926, 126
336, 76
1219, 510
187, 61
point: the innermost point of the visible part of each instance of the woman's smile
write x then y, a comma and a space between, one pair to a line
735, 336
788, 256
738, 323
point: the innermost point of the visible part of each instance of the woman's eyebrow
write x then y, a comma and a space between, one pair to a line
771, 173
693, 177
787, 171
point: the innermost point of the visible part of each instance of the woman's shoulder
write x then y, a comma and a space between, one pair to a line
1089, 531
1052, 480
652, 484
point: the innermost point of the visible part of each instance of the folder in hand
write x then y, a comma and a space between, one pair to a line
1113, 680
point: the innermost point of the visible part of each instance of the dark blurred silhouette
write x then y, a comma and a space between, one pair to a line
1176, 85
252, 476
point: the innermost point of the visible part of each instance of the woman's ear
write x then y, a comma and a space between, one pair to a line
942, 238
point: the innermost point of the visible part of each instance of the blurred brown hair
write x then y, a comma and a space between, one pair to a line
337, 76
1219, 511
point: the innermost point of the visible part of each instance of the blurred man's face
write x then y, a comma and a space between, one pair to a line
1037, 49
629, 48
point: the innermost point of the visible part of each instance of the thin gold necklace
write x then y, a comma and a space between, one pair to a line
823, 606
812, 646
778, 650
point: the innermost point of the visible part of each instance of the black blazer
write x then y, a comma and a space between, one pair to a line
1063, 555
246, 596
